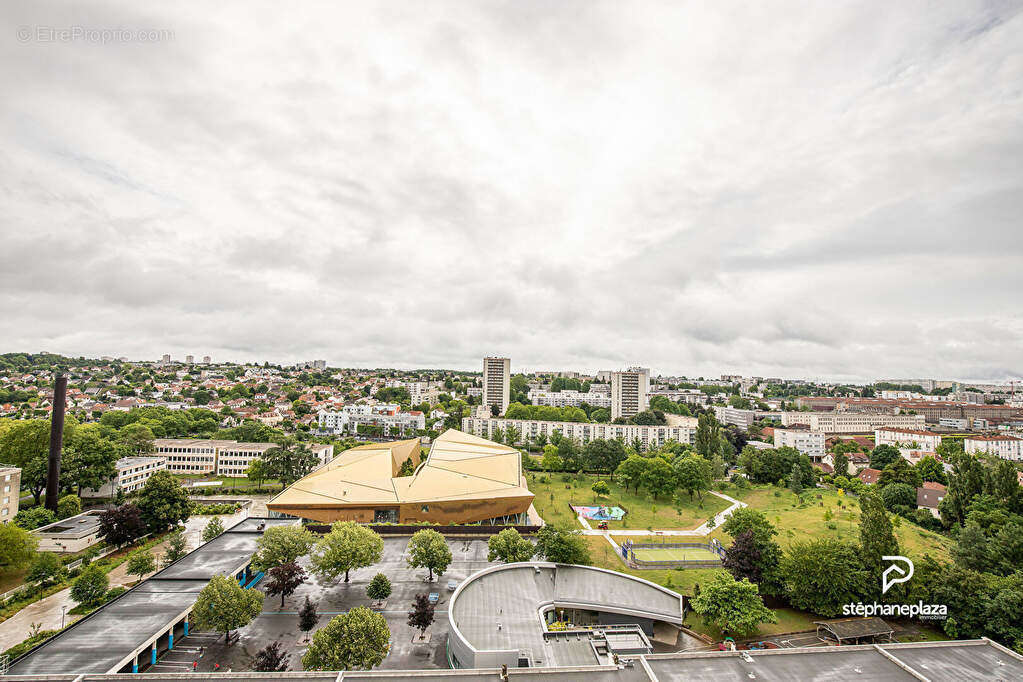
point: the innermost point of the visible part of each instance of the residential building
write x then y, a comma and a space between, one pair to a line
206, 359
10, 485
852, 422
629, 392
132, 474
583, 432
422, 392
690, 396
929, 497
220, 457
497, 383
810, 443
389, 416
908, 439
189, 359
954, 423
735, 416
166, 358
870, 476
1006, 447
569, 398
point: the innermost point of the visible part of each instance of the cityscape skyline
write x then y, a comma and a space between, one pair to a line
576, 191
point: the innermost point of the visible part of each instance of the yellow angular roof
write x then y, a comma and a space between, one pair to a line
460, 466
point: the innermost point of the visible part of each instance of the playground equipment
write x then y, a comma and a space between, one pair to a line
601, 513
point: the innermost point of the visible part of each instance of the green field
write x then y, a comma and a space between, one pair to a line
675, 554
554, 494
806, 517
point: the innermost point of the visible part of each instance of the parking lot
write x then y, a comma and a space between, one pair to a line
279, 624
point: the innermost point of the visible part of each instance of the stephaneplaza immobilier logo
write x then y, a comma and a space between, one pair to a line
893, 575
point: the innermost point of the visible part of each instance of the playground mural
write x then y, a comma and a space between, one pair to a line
600, 513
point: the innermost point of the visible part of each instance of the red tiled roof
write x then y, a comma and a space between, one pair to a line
869, 475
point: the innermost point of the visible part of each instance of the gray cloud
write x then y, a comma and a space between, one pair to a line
581, 184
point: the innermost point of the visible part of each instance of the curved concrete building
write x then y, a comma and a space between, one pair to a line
541, 614
464, 479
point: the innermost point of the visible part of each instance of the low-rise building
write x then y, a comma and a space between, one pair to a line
852, 422
583, 432
870, 476
929, 497
810, 443
72, 534
10, 492
132, 474
220, 457
735, 416
1006, 447
908, 439
390, 417
570, 398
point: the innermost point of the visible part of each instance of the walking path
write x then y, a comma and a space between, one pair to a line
701, 531
48, 611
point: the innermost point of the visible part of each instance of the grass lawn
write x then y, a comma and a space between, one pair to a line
12, 577
806, 520
554, 496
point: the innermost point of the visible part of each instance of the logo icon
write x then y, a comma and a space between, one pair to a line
902, 576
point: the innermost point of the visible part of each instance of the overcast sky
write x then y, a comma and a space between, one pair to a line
828, 189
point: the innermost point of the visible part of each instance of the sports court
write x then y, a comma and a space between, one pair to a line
674, 554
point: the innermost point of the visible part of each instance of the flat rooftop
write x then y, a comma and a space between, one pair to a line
101, 640
500, 609
78, 526
935, 661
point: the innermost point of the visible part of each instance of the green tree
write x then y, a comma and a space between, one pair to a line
224, 605
428, 549
347, 546
141, 562
550, 460
379, 587
257, 471
883, 455
658, 477
163, 502
214, 529
289, 461
34, 517
734, 607
90, 586
356, 640
600, 488
90, 460
631, 471
900, 471
705, 440
177, 546
764, 551
68, 506
972, 549
895, 495
823, 574
137, 438
509, 547
279, 545
841, 464
931, 469
693, 474
562, 545
46, 568
877, 537
307, 616
17, 545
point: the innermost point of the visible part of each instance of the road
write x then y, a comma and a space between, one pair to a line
47, 612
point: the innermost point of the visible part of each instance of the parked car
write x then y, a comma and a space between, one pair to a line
452, 585
434, 597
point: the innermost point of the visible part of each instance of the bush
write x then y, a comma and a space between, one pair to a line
34, 517
69, 505
214, 509
19, 649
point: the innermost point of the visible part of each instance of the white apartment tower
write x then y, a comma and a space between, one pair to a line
497, 382
629, 392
